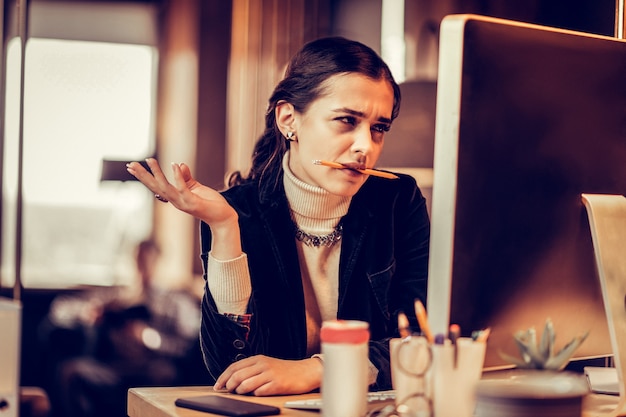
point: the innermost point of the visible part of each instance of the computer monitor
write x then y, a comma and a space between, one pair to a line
527, 119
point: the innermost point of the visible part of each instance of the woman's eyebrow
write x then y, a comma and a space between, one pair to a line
360, 114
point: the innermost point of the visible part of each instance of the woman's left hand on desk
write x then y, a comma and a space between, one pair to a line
263, 376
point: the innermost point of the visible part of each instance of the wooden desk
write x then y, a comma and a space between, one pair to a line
598, 405
159, 402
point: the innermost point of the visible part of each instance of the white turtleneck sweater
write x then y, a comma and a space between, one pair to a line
317, 212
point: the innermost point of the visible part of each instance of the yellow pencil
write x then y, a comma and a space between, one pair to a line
422, 319
483, 335
367, 171
403, 325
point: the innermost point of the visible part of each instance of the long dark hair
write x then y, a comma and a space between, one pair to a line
317, 61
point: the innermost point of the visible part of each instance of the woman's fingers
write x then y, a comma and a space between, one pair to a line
241, 377
263, 375
185, 171
138, 171
184, 192
179, 177
143, 175
158, 175
155, 180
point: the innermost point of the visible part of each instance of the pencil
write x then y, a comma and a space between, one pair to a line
483, 335
453, 335
403, 325
422, 319
367, 171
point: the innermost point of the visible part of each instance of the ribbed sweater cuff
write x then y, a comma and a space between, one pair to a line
229, 284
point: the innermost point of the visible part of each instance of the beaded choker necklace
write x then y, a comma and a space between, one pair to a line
317, 240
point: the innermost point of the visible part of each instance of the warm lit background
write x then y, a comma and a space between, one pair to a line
186, 80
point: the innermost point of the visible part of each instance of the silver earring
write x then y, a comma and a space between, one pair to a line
291, 136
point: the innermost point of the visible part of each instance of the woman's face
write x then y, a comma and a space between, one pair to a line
346, 124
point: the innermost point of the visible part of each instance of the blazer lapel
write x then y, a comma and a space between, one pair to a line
356, 225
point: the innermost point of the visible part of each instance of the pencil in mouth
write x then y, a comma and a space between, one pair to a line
367, 171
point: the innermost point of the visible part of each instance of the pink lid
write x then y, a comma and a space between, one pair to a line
345, 331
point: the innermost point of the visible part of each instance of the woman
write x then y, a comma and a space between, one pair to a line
295, 243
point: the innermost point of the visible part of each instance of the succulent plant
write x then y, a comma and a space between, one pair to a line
542, 355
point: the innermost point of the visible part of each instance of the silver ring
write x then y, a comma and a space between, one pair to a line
162, 199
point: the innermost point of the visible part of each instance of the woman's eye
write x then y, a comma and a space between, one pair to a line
381, 128
348, 120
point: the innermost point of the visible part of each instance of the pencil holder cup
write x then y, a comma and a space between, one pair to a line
411, 359
456, 371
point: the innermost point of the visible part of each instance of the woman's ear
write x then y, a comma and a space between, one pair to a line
285, 117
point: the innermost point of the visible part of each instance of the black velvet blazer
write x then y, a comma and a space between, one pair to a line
383, 268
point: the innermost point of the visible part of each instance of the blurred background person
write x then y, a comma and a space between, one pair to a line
123, 337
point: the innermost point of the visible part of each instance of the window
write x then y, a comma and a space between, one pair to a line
84, 101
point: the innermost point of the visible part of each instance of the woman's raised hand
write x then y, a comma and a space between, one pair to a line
200, 201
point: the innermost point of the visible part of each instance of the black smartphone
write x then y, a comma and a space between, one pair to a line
227, 406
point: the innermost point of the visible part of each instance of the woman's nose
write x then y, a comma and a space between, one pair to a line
362, 145
360, 157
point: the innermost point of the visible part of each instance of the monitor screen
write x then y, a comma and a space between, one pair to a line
527, 119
